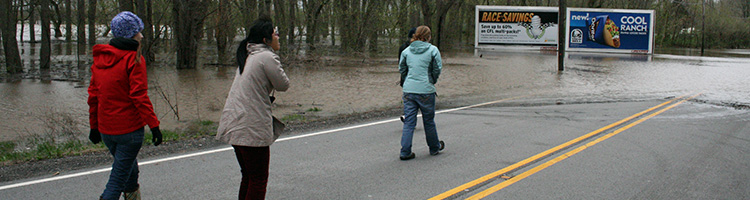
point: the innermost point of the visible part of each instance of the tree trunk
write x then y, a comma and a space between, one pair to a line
68, 21
312, 16
250, 13
13, 63
126, 5
188, 25
351, 25
279, 19
146, 43
58, 17
372, 28
92, 22
441, 9
344, 24
223, 29
426, 13
291, 18
403, 21
266, 8
594, 4
32, 21
81, 41
22, 19
44, 56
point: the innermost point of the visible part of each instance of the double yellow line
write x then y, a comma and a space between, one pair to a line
548, 152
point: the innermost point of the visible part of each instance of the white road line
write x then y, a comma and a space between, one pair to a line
5, 187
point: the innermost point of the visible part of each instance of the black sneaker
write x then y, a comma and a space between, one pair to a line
401, 118
442, 146
409, 157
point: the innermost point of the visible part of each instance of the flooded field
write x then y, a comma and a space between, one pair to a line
348, 85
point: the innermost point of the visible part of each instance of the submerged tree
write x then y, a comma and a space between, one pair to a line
188, 18
44, 56
143, 8
81, 41
92, 22
13, 63
68, 21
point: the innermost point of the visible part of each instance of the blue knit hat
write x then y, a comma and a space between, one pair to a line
126, 24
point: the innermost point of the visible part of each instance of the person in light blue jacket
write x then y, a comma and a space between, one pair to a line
420, 67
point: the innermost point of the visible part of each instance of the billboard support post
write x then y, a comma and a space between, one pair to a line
561, 37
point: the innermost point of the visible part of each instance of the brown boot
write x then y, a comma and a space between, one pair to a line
133, 195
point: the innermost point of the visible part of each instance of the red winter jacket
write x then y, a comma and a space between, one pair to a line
118, 92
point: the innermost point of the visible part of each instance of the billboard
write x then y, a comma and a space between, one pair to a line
610, 30
508, 25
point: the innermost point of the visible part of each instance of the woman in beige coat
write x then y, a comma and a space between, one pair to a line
246, 121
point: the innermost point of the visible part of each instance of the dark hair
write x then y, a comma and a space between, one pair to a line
411, 32
262, 29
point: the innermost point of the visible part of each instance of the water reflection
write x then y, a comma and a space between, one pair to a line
347, 85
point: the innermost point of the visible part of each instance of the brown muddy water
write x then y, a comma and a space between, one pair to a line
342, 85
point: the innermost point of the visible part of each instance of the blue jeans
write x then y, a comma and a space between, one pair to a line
412, 104
124, 176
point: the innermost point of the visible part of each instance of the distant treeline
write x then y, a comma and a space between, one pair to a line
349, 26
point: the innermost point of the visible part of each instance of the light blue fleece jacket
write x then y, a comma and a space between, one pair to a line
416, 59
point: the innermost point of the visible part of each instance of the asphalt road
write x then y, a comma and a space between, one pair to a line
692, 150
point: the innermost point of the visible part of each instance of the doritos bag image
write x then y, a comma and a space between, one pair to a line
604, 31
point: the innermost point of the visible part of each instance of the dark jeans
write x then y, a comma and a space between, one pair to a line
124, 175
412, 104
254, 167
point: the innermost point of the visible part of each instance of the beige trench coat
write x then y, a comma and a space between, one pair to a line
246, 119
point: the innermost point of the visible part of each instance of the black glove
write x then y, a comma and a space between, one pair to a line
156, 133
94, 136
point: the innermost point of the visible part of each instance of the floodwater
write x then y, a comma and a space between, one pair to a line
350, 85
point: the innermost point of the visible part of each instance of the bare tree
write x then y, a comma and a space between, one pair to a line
265, 8
13, 63
188, 27
441, 9
351, 29
44, 56
594, 4
81, 41
57, 21
249, 12
375, 23
92, 22
126, 5
144, 12
313, 9
68, 21
223, 30
280, 16
32, 21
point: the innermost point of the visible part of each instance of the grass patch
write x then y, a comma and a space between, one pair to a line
7, 146
314, 109
194, 129
166, 135
47, 149
293, 117
49, 146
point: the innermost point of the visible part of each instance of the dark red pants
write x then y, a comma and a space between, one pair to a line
254, 167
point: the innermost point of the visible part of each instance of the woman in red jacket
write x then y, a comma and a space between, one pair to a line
119, 106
